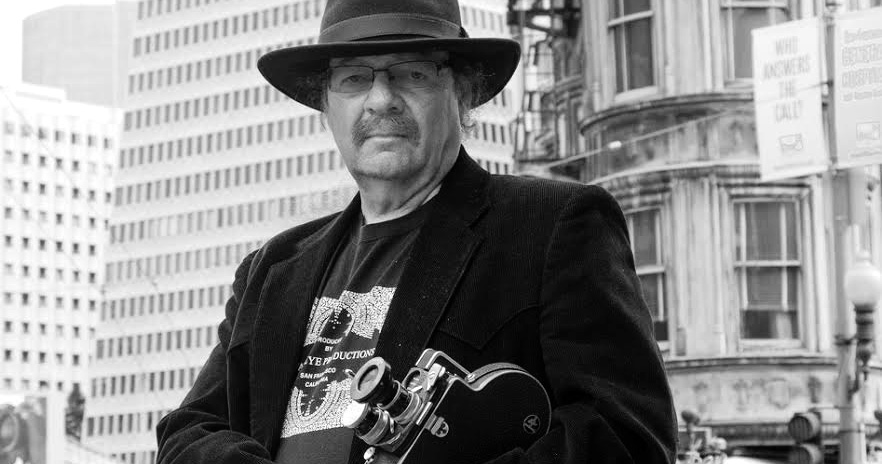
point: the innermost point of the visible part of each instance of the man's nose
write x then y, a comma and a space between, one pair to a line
382, 97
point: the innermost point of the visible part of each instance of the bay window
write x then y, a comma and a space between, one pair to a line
739, 18
630, 31
646, 244
768, 269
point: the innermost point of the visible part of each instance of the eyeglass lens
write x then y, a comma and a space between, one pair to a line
405, 75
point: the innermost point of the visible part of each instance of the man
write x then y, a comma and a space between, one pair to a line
433, 252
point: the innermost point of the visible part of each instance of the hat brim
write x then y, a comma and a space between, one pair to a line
294, 70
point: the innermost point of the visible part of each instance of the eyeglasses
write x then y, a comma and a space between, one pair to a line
404, 75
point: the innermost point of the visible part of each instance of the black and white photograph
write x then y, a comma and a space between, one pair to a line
440, 231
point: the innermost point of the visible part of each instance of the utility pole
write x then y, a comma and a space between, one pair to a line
846, 216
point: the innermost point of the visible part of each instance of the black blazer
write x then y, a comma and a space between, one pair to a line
533, 272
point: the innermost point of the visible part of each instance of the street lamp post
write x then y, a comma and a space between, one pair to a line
863, 287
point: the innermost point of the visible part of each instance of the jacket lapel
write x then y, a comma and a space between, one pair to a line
437, 262
439, 257
280, 328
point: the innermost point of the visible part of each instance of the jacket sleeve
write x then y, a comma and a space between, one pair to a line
612, 402
198, 432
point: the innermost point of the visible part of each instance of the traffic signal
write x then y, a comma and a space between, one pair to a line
805, 429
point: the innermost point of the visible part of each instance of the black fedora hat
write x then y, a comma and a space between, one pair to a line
377, 27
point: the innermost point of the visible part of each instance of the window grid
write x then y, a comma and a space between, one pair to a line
767, 312
630, 27
644, 229
739, 17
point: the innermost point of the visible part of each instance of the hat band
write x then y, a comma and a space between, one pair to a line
376, 25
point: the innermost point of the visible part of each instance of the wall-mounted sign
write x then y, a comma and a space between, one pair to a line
857, 80
787, 99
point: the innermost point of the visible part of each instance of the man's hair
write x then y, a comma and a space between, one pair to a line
469, 83
470, 86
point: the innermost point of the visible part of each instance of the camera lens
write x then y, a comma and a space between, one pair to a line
360, 417
373, 383
369, 377
372, 425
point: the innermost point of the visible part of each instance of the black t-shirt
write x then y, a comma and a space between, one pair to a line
344, 327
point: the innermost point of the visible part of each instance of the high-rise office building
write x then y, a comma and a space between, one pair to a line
56, 176
213, 161
81, 49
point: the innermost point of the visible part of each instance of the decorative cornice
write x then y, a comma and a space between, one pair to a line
772, 433
691, 100
776, 361
747, 170
674, 365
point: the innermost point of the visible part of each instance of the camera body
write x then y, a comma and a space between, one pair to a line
442, 413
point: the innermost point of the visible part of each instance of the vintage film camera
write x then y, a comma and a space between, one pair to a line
442, 413
22, 434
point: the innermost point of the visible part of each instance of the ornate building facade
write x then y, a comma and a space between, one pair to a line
653, 100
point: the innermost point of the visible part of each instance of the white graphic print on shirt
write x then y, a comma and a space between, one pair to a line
342, 334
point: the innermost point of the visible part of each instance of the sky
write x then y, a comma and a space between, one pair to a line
12, 13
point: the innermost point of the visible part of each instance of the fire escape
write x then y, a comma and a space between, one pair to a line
540, 26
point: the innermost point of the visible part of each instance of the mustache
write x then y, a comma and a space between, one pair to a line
390, 124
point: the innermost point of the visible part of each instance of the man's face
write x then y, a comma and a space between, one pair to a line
390, 132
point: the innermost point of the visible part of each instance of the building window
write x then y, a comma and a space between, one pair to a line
645, 235
630, 31
767, 265
739, 17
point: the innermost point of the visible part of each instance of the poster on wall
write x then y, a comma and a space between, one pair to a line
857, 80
787, 99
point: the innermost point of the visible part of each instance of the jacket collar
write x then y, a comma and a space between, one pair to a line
464, 190
439, 257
